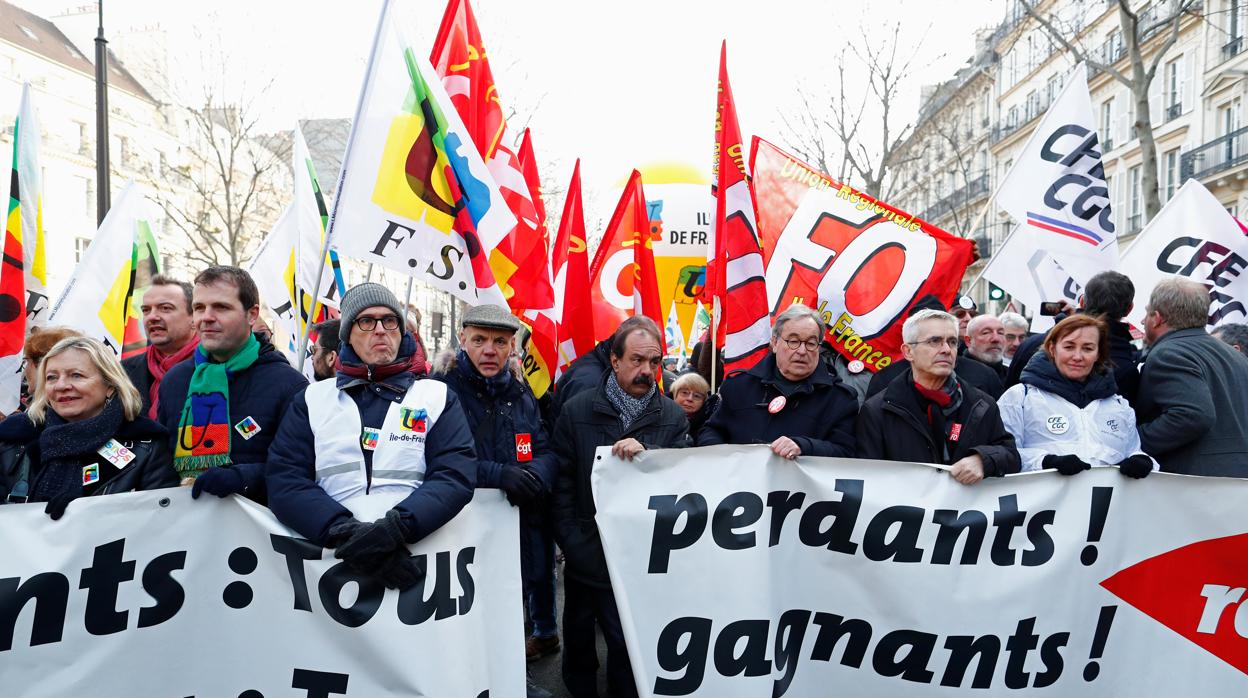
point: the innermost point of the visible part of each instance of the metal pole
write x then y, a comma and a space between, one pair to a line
102, 190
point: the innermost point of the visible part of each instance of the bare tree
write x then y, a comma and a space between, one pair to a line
229, 189
848, 121
1153, 31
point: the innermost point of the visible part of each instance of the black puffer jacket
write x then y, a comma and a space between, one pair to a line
818, 416
584, 374
588, 421
152, 467
893, 426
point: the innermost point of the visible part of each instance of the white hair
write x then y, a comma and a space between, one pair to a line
978, 321
910, 328
1014, 320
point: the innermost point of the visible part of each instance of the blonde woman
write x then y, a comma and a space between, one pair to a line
83, 433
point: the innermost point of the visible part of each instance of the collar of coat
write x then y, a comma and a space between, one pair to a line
765, 371
1180, 334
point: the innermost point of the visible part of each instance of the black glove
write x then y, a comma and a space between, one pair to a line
399, 570
370, 544
1066, 465
522, 485
222, 482
1136, 466
342, 531
58, 502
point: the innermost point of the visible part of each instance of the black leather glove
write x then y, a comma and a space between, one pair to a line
1066, 465
370, 544
522, 485
222, 482
342, 531
1136, 466
399, 570
58, 502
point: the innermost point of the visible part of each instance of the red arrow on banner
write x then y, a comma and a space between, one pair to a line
1199, 591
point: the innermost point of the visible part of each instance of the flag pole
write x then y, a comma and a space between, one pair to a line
346, 158
103, 189
408, 301
714, 339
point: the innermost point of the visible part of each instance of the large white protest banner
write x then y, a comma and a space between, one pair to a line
1193, 237
152, 594
741, 574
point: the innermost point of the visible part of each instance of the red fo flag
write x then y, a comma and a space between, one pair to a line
859, 262
623, 281
735, 287
570, 268
460, 59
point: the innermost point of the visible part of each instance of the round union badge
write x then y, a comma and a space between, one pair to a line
856, 366
776, 405
1057, 424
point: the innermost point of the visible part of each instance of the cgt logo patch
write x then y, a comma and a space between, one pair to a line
1198, 591
413, 419
524, 448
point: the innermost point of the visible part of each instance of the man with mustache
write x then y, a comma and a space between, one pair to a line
789, 400
627, 412
170, 334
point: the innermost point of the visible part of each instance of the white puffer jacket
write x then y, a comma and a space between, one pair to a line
1103, 433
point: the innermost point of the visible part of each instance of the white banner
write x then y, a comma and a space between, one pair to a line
1192, 236
154, 594
741, 574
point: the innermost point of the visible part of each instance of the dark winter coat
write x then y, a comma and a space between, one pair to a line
136, 370
152, 467
970, 371
588, 421
1122, 354
1192, 407
584, 374
819, 416
893, 426
450, 463
262, 391
496, 420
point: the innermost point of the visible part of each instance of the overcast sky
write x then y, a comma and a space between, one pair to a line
618, 84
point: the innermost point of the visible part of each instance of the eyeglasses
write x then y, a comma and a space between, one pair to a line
693, 394
936, 342
812, 345
368, 324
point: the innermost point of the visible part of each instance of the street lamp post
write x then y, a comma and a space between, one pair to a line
102, 191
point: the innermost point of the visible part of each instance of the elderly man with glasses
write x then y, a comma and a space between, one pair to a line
377, 457
789, 400
928, 415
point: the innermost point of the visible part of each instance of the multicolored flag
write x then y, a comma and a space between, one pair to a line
701, 326
519, 262
674, 335
23, 275
145, 262
622, 278
856, 260
414, 194
541, 355
98, 300
569, 263
735, 285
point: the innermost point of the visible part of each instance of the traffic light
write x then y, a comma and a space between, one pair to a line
995, 292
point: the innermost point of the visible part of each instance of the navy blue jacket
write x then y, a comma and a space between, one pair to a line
584, 374
819, 416
496, 419
262, 391
450, 464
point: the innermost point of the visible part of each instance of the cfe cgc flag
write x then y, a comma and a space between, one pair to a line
885, 579
1057, 194
857, 261
1192, 237
414, 194
98, 299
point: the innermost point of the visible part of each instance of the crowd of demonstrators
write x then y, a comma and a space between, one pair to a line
83, 434
928, 415
1193, 389
168, 321
222, 406
1066, 414
621, 408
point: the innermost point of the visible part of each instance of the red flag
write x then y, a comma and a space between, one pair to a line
622, 278
570, 267
459, 57
860, 262
540, 359
735, 286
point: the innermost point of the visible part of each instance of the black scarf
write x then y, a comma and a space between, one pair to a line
493, 386
63, 445
1042, 373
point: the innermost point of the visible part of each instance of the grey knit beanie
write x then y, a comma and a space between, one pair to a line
362, 297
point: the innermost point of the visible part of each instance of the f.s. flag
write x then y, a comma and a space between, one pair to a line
414, 194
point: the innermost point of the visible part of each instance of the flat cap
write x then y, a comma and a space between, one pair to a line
491, 317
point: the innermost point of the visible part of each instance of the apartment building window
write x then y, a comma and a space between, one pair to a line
1234, 29
1011, 117
1173, 88
80, 248
1107, 125
1171, 177
1136, 202
1033, 106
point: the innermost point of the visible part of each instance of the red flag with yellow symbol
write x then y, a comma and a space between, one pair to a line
539, 360
460, 59
569, 265
622, 279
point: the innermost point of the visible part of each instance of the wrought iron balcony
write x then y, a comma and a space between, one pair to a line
1232, 48
974, 190
1173, 111
1218, 155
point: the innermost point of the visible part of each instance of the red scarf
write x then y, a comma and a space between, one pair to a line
158, 364
938, 396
